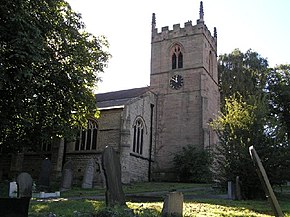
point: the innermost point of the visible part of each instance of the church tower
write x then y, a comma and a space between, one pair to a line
184, 78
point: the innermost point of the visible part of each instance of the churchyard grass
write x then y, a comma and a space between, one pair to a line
195, 207
200, 207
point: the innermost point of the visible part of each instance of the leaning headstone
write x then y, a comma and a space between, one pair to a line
67, 176
112, 170
173, 204
13, 190
265, 183
44, 177
89, 174
24, 182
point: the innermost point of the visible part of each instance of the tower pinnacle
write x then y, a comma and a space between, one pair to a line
153, 21
201, 13
214, 32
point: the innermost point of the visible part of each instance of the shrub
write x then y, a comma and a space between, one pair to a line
192, 164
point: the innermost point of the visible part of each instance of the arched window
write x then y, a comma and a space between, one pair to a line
176, 57
174, 61
87, 138
138, 136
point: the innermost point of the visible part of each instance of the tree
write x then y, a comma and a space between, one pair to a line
49, 66
245, 73
246, 120
234, 128
278, 127
278, 88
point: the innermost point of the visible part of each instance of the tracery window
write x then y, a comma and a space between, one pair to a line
177, 57
87, 138
138, 136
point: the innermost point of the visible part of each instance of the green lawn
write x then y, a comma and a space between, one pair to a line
197, 207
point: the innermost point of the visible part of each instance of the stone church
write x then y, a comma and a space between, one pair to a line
146, 125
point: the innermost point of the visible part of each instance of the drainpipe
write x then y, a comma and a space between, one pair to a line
150, 142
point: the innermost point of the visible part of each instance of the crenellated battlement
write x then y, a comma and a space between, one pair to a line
178, 31
188, 30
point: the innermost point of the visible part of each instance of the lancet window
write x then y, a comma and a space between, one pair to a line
176, 57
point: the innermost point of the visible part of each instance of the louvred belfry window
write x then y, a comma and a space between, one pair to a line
176, 57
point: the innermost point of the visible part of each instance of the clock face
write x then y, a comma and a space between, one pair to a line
176, 82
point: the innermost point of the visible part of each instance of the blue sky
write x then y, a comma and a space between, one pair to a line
262, 25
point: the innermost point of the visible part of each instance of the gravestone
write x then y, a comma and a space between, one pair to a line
89, 174
173, 204
13, 190
265, 183
24, 182
67, 176
231, 191
112, 170
45, 172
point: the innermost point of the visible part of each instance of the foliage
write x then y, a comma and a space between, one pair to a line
232, 159
192, 164
255, 110
49, 66
243, 73
278, 88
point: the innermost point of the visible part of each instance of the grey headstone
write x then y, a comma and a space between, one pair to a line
13, 190
44, 177
265, 183
89, 174
231, 191
173, 204
24, 182
67, 176
112, 170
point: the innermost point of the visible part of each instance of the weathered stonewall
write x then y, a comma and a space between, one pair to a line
67, 176
265, 183
24, 182
112, 170
173, 204
89, 174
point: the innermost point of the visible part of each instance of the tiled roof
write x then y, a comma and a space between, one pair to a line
118, 98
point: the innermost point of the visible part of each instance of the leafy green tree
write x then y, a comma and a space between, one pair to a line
279, 98
232, 159
49, 66
278, 126
246, 120
245, 73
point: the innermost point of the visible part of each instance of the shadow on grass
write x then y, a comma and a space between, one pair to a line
64, 207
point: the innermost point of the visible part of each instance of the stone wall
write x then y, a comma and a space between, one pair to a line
134, 165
